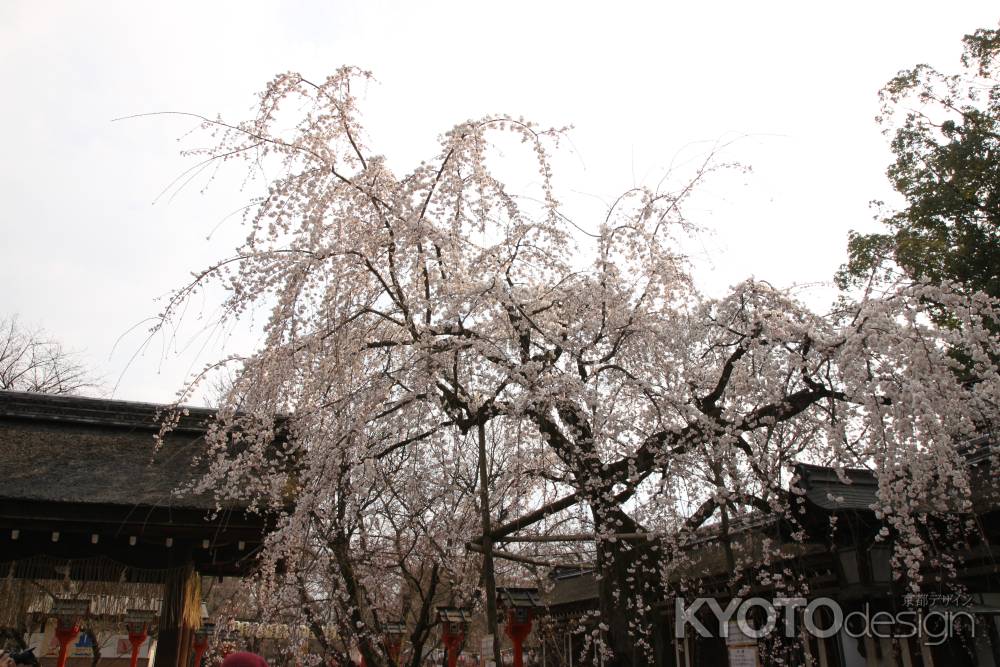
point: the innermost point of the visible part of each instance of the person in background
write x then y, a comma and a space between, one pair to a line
241, 659
26, 658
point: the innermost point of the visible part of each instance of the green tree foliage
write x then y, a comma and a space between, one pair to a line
945, 131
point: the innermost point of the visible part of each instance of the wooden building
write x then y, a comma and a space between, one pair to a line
847, 564
88, 500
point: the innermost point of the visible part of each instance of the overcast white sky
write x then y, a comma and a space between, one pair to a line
85, 251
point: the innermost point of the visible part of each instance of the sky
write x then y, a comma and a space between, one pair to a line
787, 89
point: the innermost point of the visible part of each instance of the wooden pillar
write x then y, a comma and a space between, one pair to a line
925, 653
889, 653
184, 651
871, 660
904, 652
821, 648
820, 658
180, 616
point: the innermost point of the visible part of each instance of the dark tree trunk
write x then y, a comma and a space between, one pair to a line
422, 628
630, 585
369, 650
629, 591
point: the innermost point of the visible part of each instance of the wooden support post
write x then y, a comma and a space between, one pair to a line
925, 653
185, 647
821, 648
889, 653
871, 660
904, 651
180, 616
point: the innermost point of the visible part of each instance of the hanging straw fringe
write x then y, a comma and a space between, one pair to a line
31, 584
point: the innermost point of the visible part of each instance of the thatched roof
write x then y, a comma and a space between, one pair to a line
87, 450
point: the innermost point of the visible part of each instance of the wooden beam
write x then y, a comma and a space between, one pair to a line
236, 524
148, 553
579, 537
506, 555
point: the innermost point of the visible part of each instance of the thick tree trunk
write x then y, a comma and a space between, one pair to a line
628, 591
630, 585
489, 580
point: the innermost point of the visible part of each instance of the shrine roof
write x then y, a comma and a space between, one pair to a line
848, 489
72, 449
857, 489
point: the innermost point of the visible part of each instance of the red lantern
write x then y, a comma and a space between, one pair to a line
138, 623
68, 615
201, 638
454, 623
393, 636
520, 604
